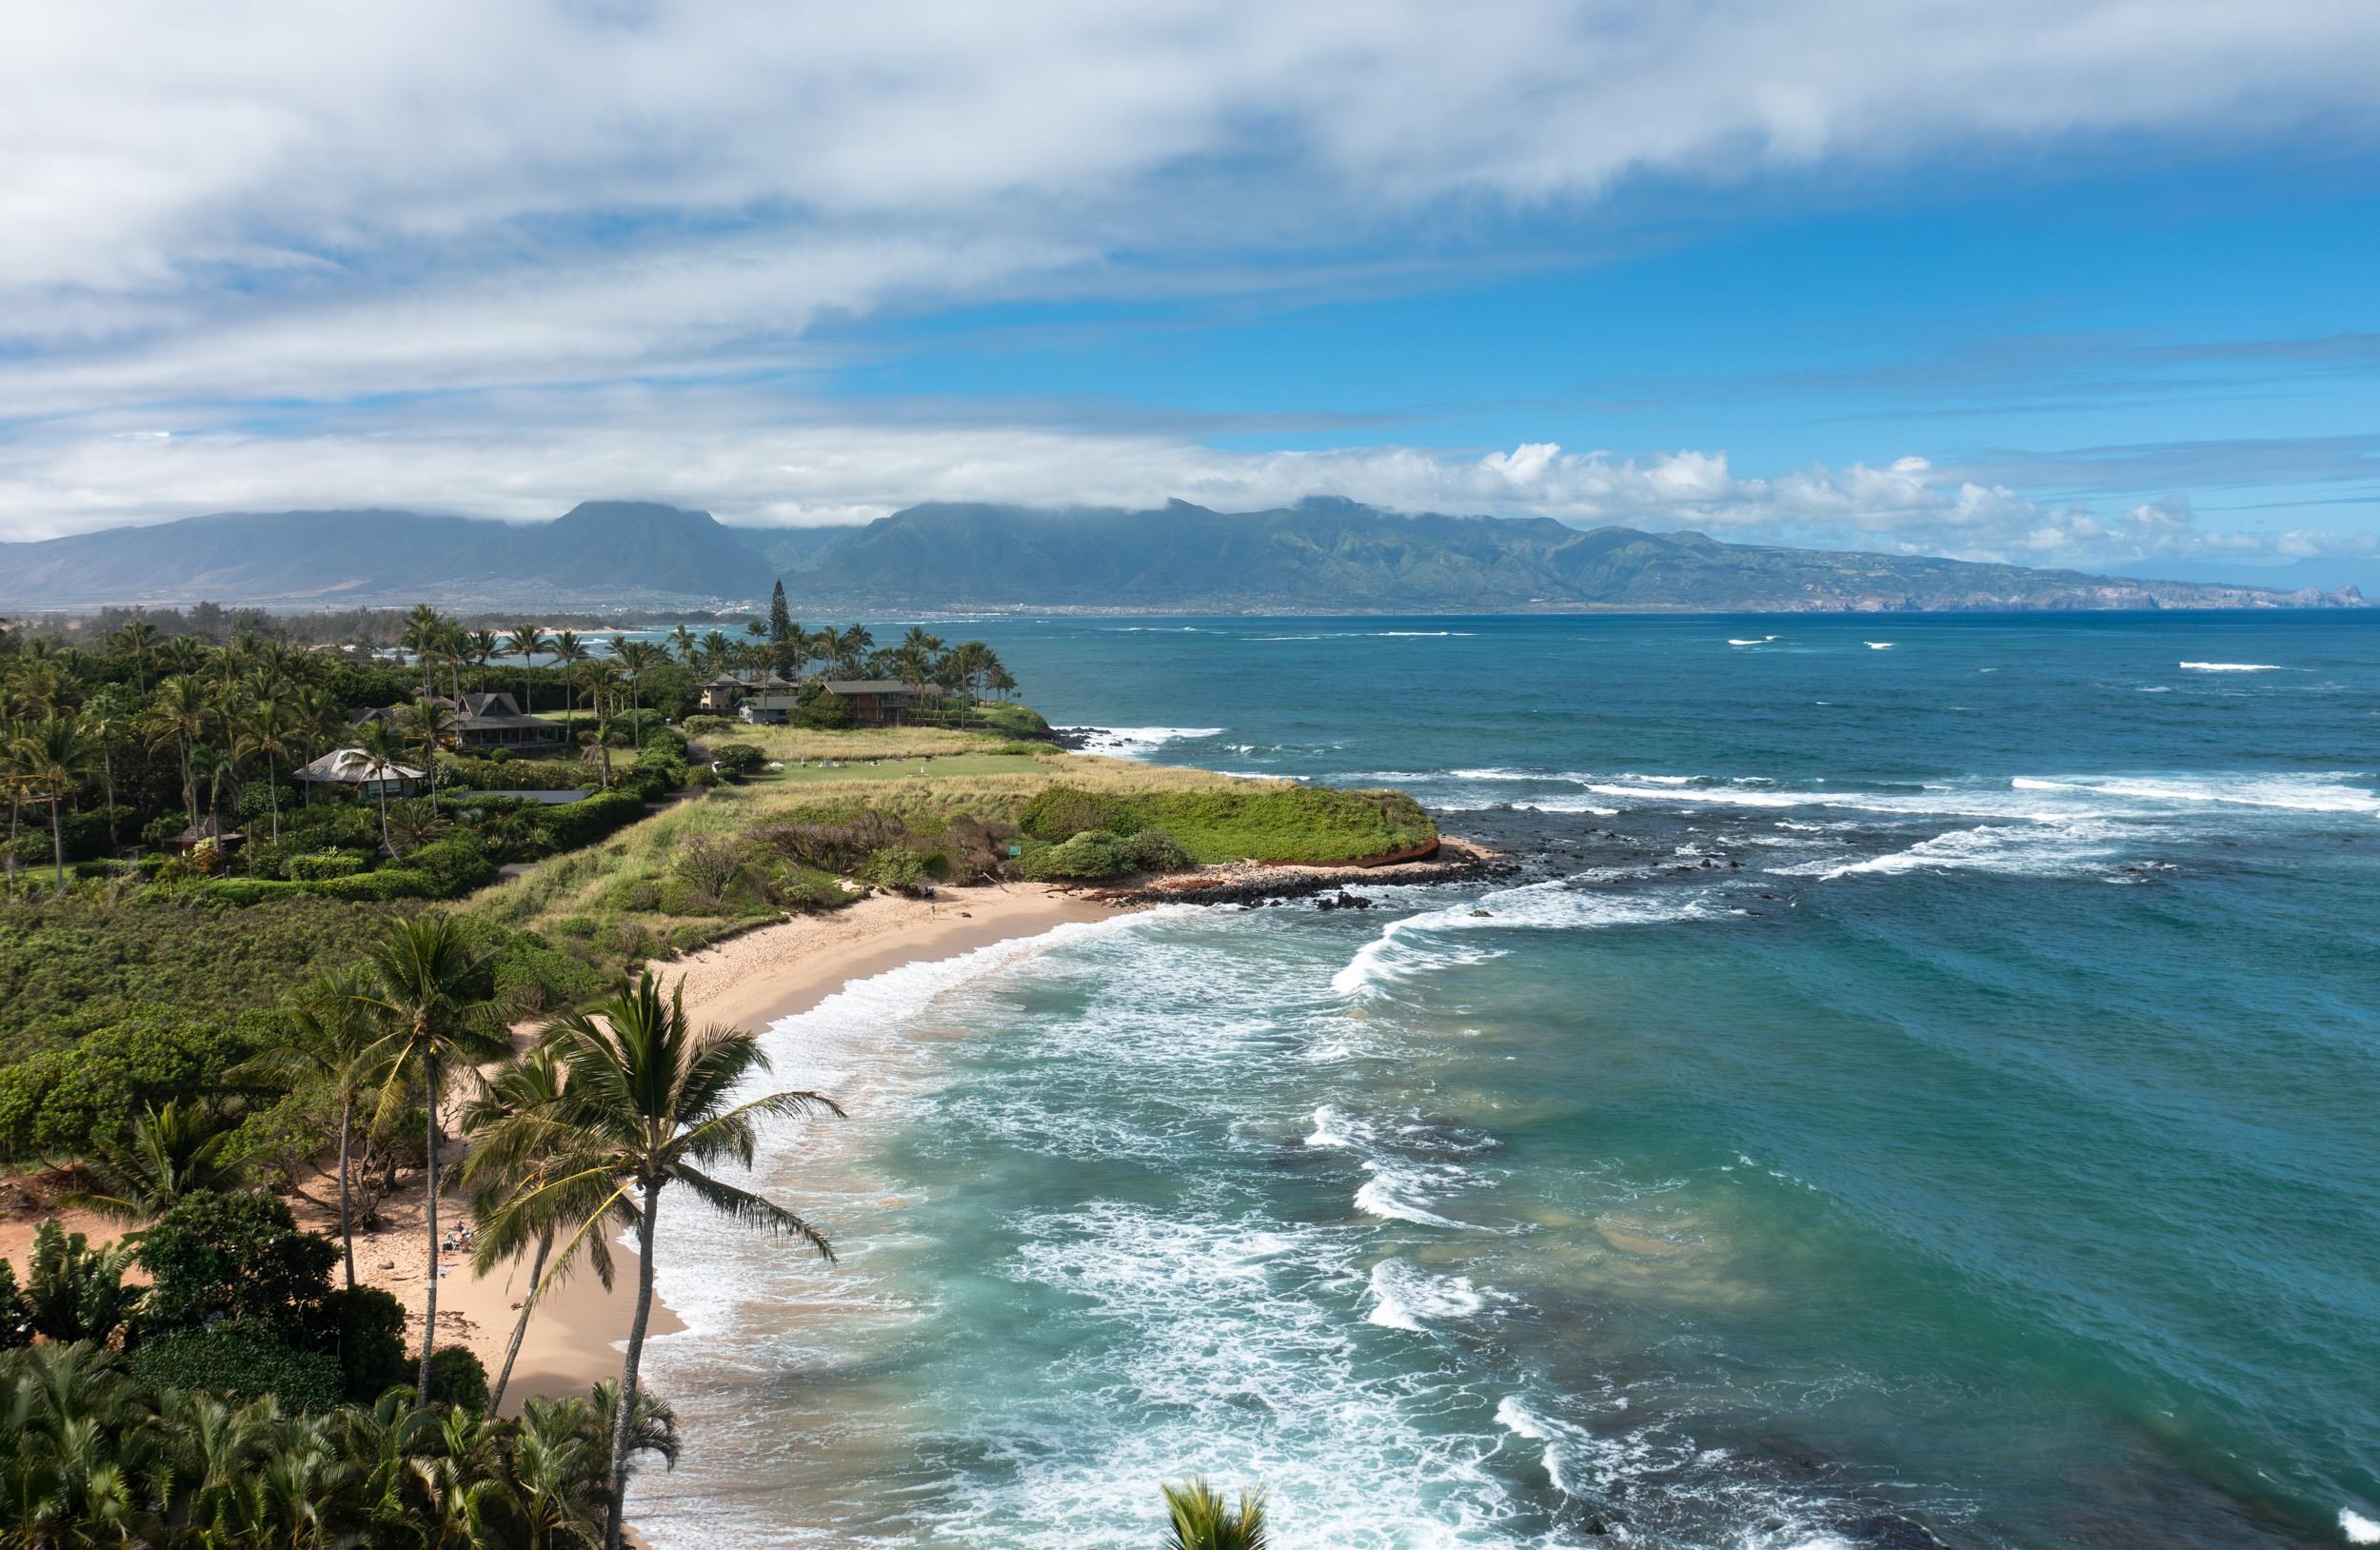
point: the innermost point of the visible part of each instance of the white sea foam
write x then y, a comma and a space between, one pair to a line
2309, 793
1877, 645
1133, 742
1413, 1300
1395, 954
1334, 1128
2358, 1529
2229, 668
1395, 1192
2036, 851
701, 1276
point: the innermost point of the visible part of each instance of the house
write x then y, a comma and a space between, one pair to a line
720, 695
482, 721
878, 702
352, 769
768, 700
494, 720
227, 840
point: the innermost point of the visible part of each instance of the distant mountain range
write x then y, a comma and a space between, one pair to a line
1321, 556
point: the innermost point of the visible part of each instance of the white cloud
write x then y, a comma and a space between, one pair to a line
762, 476
247, 205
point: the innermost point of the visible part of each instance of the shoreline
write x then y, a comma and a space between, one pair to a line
749, 981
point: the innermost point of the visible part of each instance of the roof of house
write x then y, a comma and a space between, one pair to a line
848, 686
352, 767
482, 712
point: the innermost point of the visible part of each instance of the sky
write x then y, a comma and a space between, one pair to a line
2090, 282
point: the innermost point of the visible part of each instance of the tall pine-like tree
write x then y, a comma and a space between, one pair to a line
780, 617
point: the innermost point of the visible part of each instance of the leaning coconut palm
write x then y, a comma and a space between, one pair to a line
340, 1051
528, 1091
648, 1101
424, 984
171, 1152
525, 641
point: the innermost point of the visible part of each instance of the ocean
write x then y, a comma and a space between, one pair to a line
1926, 1089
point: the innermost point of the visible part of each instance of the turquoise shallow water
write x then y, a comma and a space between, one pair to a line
1985, 1145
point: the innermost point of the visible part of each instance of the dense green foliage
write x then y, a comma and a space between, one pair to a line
1277, 823
164, 1448
240, 1360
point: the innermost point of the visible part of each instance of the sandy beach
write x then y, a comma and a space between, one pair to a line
748, 981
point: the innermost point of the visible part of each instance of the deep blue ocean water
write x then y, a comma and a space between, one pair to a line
1928, 1084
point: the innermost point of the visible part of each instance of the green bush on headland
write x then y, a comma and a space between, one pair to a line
1275, 823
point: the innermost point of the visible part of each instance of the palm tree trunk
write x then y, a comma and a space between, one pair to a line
346, 1223
57, 841
383, 784
429, 1218
520, 1326
626, 1419
108, 773
272, 789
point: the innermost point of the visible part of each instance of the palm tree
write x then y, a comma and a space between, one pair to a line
173, 1152
429, 725
528, 1089
268, 732
569, 650
107, 716
526, 641
339, 1051
853, 643
180, 713
383, 744
138, 639
480, 647
1202, 1520
681, 641
423, 985
424, 635
48, 757
648, 1101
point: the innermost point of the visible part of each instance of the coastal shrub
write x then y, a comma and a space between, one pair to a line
971, 850
792, 886
580, 824
1058, 812
738, 759
238, 892
701, 777
244, 1360
388, 884
834, 845
456, 865
1154, 850
634, 894
234, 1256
71, 1101
510, 774
322, 865
710, 864
457, 1377
1090, 854
534, 977
661, 740
707, 726
896, 870
363, 1330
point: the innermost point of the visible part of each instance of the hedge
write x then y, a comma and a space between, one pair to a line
246, 1361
